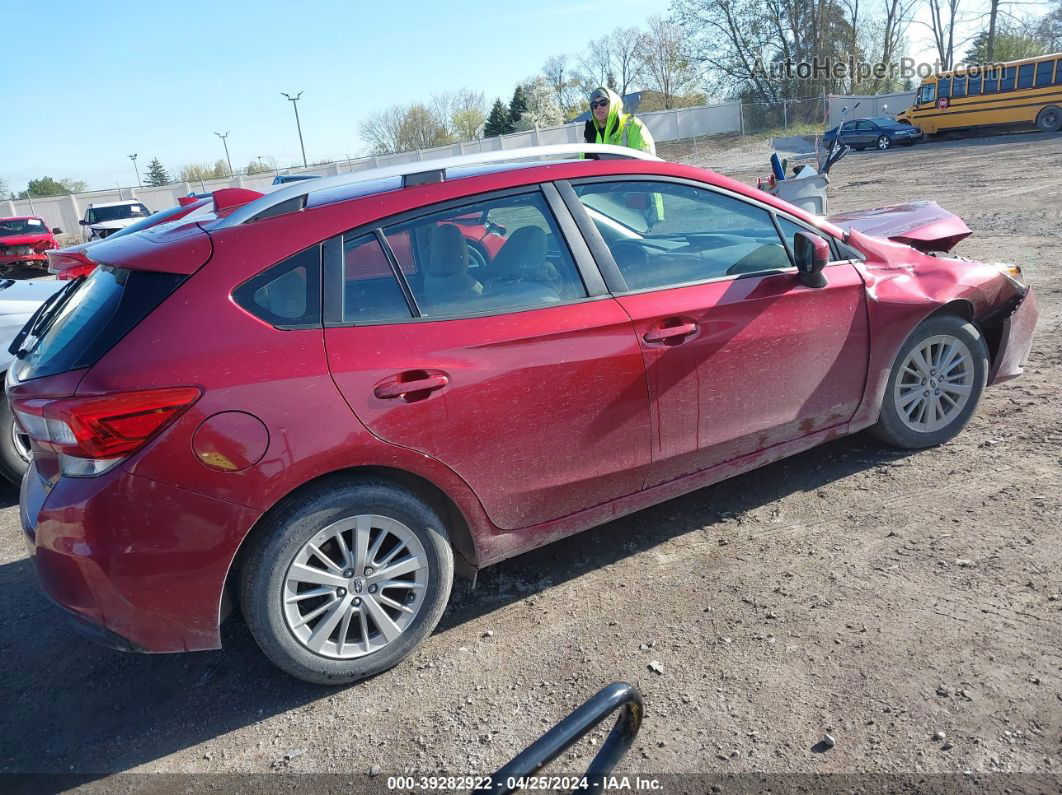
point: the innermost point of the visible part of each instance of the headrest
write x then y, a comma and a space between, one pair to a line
449, 252
525, 248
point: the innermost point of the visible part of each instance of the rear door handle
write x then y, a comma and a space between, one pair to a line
670, 333
399, 389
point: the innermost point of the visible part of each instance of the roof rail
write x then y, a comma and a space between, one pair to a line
419, 172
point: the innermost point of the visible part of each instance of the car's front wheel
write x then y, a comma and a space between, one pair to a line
884, 142
346, 580
14, 444
935, 384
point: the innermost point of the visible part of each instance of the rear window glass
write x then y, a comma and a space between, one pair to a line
95, 316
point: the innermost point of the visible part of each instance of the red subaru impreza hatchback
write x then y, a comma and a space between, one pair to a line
323, 406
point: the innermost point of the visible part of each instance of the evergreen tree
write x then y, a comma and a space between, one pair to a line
517, 106
498, 122
157, 174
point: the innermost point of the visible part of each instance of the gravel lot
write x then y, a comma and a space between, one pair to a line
877, 596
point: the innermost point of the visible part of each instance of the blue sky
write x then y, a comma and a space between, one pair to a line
99, 81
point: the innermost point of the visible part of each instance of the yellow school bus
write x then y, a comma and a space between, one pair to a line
1028, 91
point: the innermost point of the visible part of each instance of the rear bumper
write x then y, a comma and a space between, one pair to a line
1015, 341
133, 580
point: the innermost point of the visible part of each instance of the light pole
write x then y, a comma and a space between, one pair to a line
294, 100
137, 168
226, 143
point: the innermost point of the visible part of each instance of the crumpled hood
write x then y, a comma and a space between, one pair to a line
25, 240
923, 225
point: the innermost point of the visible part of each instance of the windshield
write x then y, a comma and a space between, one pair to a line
883, 122
22, 226
118, 212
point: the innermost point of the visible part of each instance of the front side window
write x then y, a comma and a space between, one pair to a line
664, 234
287, 295
864, 126
945, 86
503, 254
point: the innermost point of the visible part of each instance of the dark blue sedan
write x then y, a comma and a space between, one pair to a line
880, 133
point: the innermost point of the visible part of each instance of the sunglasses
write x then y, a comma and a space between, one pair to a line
599, 103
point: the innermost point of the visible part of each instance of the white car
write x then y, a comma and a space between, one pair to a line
106, 218
18, 301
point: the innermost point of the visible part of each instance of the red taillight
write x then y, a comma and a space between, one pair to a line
103, 427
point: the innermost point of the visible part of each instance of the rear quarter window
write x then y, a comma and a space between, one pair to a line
288, 294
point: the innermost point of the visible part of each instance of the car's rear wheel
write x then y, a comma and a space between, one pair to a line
14, 445
1049, 119
934, 385
884, 142
346, 580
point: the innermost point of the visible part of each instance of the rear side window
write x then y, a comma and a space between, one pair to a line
287, 295
945, 86
1007, 82
1058, 72
991, 81
958, 88
1025, 75
91, 321
371, 293
499, 255
974, 86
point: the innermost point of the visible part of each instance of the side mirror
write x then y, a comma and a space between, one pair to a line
811, 253
83, 222
56, 230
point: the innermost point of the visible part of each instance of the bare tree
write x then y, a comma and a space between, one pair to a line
627, 65
405, 128
943, 19
595, 65
667, 67
565, 82
460, 112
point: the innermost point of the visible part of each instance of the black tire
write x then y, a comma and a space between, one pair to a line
1049, 119
884, 142
891, 428
286, 532
12, 465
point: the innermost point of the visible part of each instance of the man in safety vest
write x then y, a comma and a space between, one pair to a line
608, 124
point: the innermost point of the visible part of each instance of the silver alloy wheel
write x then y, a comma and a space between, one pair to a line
21, 441
934, 384
355, 587
884, 142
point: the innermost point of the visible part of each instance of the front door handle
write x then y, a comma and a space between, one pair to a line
400, 389
670, 333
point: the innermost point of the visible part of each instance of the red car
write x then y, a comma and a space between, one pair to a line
74, 261
321, 407
25, 240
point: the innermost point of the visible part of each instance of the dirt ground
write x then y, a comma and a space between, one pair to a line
822, 594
